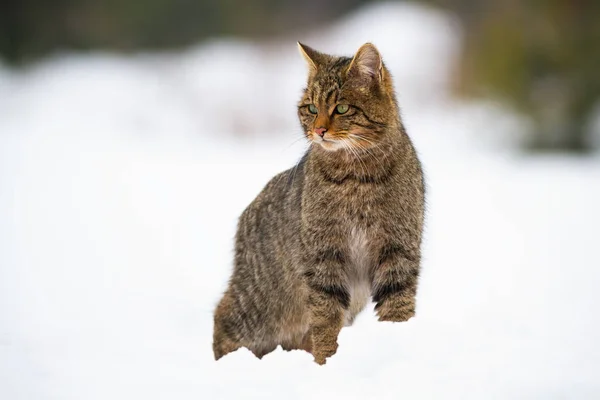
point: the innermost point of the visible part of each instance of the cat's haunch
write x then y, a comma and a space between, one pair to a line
340, 228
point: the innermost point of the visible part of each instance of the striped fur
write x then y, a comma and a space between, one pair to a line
344, 224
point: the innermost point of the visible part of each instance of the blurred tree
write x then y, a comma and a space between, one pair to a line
32, 28
541, 56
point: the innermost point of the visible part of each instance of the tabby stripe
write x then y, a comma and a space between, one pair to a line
384, 291
247, 320
331, 179
393, 285
338, 292
367, 117
317, 91
362, 125
394, 249
341, 62
330, 255
368, 179
329, 95
371, 120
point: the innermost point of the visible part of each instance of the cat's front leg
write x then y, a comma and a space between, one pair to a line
395, 283
328, 299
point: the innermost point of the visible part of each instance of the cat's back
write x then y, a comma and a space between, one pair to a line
271, 220
281, 194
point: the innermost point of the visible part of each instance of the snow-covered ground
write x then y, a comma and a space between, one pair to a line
121, 179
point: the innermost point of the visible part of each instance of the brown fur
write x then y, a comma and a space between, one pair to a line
348, 216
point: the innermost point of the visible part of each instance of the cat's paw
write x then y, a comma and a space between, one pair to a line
395, 311
396, 317
324, 343
322, 354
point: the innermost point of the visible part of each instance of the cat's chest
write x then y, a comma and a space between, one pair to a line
358, 249
351, 217
359, 260
352, 202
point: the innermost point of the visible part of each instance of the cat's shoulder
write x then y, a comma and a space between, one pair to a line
289, 178
285, 184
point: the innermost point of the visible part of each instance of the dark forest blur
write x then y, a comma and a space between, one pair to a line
540, 57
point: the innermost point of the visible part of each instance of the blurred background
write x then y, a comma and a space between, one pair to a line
539, 57
133, 134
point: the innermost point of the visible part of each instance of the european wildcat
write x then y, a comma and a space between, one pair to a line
345, 224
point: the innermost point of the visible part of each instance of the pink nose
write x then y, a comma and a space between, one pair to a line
321, 131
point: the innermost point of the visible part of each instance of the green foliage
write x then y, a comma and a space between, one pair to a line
543, 57
32, 28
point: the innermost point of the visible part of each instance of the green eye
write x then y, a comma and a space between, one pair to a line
342, 108
312, 109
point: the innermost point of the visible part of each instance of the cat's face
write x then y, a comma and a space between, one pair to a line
348, 102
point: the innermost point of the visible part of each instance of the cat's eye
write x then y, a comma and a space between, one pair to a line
342, 108
312, 109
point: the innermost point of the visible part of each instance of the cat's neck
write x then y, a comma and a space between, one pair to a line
373, 164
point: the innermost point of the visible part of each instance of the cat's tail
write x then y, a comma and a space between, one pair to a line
224, 337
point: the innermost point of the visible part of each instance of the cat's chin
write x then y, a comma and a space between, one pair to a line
330, 145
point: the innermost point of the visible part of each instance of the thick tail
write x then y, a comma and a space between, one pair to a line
224, 337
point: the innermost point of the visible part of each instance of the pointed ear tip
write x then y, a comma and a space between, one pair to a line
304, 49
369, 45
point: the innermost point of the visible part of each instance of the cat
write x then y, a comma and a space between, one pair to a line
343, 226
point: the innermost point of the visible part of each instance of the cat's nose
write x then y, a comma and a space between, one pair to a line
321, 131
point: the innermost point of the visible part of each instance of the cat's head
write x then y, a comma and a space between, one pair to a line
348, 103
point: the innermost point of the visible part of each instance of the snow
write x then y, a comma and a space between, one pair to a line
121, 179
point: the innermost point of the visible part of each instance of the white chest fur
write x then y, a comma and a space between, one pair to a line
359, 287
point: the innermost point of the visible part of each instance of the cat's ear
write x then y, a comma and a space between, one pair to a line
367, 63
312, 57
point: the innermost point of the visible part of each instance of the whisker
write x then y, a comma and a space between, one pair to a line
359, 137
349, 144
368, 151
293, 143
295, 167
294, 170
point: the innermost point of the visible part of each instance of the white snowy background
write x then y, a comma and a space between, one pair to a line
121, 179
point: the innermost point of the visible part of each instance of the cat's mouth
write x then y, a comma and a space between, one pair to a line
327, 143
